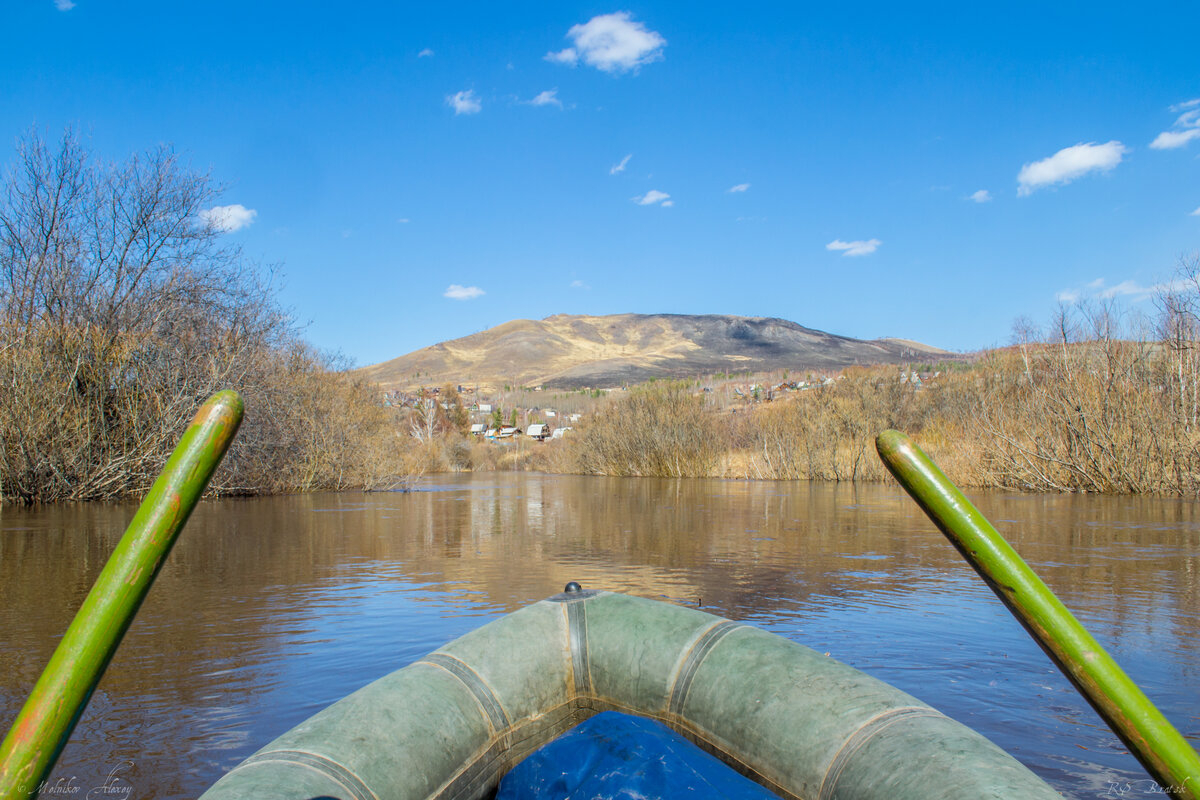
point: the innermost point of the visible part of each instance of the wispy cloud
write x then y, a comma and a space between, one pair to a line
611, 43
63, 5
982, 196
228, 219
668, 203
1169, 140
1068, 164
404, 220
456, 292
547, 98
1127, 289
741, 187
1100, 290
466, 102
615, 168
1195, 213
568, 57
580, 285
651, 197
856, 248
426, 53
1185, 129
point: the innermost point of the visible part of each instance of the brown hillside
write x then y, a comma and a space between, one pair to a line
569, 352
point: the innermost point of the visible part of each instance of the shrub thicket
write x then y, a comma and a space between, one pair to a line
122, 307
661, 428
1090, 405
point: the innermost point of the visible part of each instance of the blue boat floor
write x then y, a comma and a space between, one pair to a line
623, 757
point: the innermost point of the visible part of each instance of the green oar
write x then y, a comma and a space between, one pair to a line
1163, 751
60, 695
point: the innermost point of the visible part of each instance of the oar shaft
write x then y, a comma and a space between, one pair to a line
1163, 751
61, 694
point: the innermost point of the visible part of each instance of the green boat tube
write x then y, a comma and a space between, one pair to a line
798, 722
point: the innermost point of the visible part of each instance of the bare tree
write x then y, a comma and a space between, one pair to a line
122, 307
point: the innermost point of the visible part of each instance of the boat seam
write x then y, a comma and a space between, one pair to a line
863, 734
577, 636
699, 650
324, 765
476, 685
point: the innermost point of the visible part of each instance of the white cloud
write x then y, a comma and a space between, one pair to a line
1195, 213
858, 248
63, 5
1128, 289
426, 53
1188, 119
668, 203
1185, 129
651, 197
580, 285
464, 102
1169, 140
547, 98
982, 196
615, 168
404, 220
228, 219
741, 187
611, 43
1100, 289
456, 292
568, 57
1068, 164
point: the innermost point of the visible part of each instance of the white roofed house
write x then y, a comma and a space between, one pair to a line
539, 431
478, 429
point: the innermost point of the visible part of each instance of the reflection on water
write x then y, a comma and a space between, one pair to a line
270, 609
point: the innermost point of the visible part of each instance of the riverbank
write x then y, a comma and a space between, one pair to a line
1103, 416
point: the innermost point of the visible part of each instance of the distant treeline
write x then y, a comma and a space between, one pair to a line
1097, 401
122, 307
1092, 404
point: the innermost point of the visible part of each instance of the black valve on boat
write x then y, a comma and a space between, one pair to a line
573, 587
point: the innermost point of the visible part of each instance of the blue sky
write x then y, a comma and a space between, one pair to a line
422, 172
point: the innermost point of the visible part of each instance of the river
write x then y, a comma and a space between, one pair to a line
269, 609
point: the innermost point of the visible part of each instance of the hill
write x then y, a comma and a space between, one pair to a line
570, 351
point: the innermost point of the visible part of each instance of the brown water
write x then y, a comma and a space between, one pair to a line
270, 609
